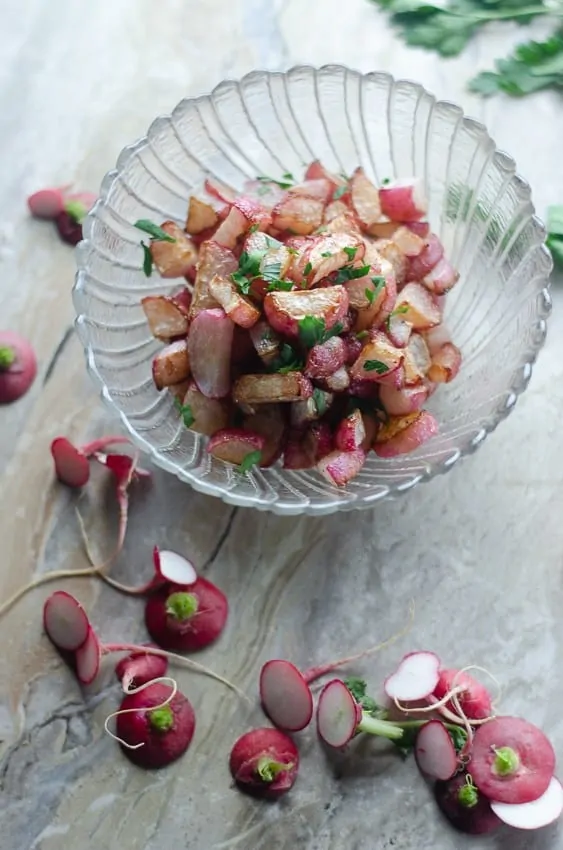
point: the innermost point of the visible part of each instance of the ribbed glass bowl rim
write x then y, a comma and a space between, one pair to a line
523, 372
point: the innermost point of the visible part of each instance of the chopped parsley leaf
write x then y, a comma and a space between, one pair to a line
376, 366
186, 413
348, 273
147, 259
350, 252
156, 233
308, 269
251, 459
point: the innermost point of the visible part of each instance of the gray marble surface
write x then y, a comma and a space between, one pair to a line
480, 550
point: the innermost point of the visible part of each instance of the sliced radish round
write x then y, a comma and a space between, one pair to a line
415, 678
173, 567
65, 621
71, 466
434, 751
286, 696
535, 814
88, 658
338, 714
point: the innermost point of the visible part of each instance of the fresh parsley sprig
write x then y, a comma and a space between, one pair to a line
250, 460
532, 66
157, 234
185, 412
287, 181
287, 361
313, 331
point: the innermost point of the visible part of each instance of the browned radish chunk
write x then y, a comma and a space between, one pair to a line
344, 223
321, 189
208, 415
351, 432
371, 427
284, 310
403, 434
325, 359
240, 309
341, 467
384, 228
183, 300
428, 258
201, 216
446, 363
266, 341
417, 360
416, 306
321, 439
265, 192
213, 260
377, 360
266, 389
442, 278
391, 252
408, 242
339, 380
338, 209
399, 402
398, 330
173, 259
302, 412
403, 200
353, 348
327, 254
179, 390
365, 199
165, 317
298, 213
171, 365
209, 348
235, 445
268, 421
244, 214
317, 171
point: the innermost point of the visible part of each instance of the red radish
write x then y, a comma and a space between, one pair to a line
434, 751
88, 658
169, 567
535, 814
350, 433
140, 668
466, 809
186, 619
285, 695
473, 697
219, 190
264, 762
209, 349
403, 200
415, 678
403, 401
442, 278
446, 363
71, 463
339, 467
155, 725
65, 621
47, 203
234, 445
70, 230
18, 366
512, 761
414, 430
340, 717
428, 258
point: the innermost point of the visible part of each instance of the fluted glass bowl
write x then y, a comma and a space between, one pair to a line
272, 123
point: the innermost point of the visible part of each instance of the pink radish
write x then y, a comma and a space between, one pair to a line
427, 260
340, 717
71, 462
209, 349
18, 366
418, 429
415, 678
47, 203
264, 762
512, 761
466, 809
169, 567
140, 668
473, 697
65, 621
403, 200
88, 658
186, 618
535, 814
434, 751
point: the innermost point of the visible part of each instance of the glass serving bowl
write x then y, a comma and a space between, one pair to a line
272, 123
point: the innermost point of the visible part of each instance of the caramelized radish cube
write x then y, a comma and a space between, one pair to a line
268, 422
442, 278
264, 192
201, 216
350, 433
446, 363
429, 257
416, 306
394, 255
403, 200
183, 300
400, 402
377, 359
341, 467
173, 259
320, 189
325, 359
209, 414
327, 254
244, 214
233, 445
383, 229
171, 365
266, 341
238, 308
266, 389
166, 318
387, 305
403, 434
213, 260
365, 199
225, 194
209, 349
417, 360
408, 242
298, 213
339, 380
398, 330
284, 310
371, 427
303, 412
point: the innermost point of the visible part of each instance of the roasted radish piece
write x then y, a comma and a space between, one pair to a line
268, 422
365, 199
350, 433
266, 342
317, 171
266, 389
417, 307
173, 259
213, 260
298, 213
466, 809
325, 359
234, 445
171, 365
384, 228
299, 451
167, 319
446, 363
208, 415
244, 214
240, 309
338, 381
400, 402
209, 349
403, 434
417, 360
320, 440
339, 210
442, 278
391, 252
285, 310
403, 200
408, 242
327, 254
220, 191
320, 189
201, 216
427, 259
398, 330
343, 223
340, 467
377, 359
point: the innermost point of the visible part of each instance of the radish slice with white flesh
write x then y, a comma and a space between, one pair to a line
338, 714
434, 751
65, 621
286, 696
173, 568
88, 658
415, 678
209, 349
537, 813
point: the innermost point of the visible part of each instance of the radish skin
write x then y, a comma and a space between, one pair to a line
340, 717
140, 668
535, 814
285, 695
434, 751
18, 366
474, 697
65, 621
466, 809
264, 762
186, 618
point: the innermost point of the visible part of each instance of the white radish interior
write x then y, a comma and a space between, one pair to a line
285, 695
65, 621
336, 714
536, 814
434, 751
416, 677
175, 568
88, 659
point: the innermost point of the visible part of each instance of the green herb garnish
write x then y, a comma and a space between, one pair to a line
376, 366
156, 233
147, 259
555, 233
251, 459
370, 295
358, 688
350, 252
287, 361
287, 181
326, 254
338, 192
312, 331
347, 273
532, 66
321, 400
308, 269
185, 412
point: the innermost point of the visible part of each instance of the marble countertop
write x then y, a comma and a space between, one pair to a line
481, 549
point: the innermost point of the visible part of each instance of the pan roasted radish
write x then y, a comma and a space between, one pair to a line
302, 296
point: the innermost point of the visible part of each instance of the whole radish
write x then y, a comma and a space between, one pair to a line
18, 366
139, 668
473, 697
186, 618
156, 738
464, 806
264, 762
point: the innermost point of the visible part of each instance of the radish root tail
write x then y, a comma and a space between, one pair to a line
161, 679
426, 708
